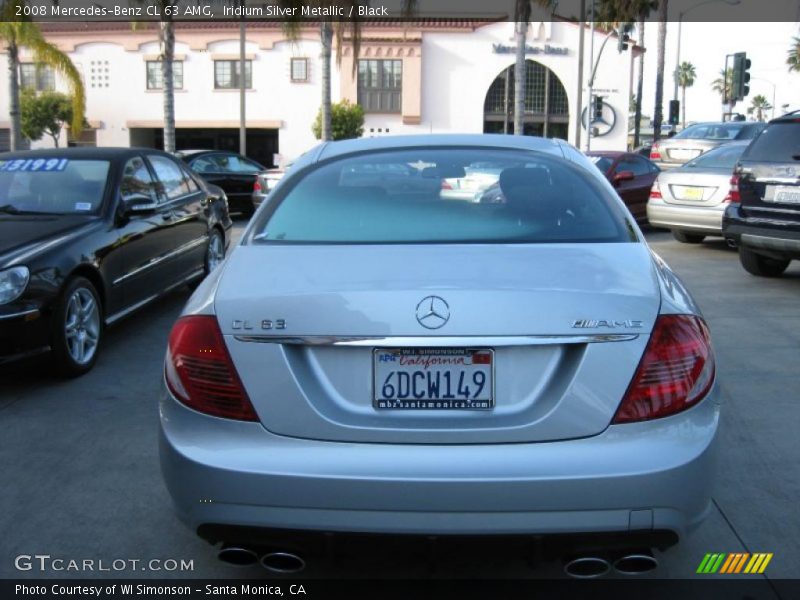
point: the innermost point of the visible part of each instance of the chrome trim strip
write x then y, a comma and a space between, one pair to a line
126, 311
19, 314
436, 341
155, 261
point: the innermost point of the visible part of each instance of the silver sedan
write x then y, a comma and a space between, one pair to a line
699, 138
691, 199
377, 359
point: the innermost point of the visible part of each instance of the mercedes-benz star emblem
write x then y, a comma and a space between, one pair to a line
432, 312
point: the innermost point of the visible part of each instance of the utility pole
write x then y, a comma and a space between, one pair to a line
242, 86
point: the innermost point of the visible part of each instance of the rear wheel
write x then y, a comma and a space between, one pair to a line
215, 251
763, 266
76, 328
687, 238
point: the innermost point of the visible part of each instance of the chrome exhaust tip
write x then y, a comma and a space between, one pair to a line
587, 567
283, 562
636, 563
237, 556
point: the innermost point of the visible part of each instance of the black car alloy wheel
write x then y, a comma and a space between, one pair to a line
76, 328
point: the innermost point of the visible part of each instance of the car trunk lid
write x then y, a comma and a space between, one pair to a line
562, 327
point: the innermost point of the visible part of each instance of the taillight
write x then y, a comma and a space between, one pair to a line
655, 154
676, 371
733, 194
200, 372
446, 185
655, 191
257, 186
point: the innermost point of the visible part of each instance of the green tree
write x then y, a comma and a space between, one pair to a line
629, 11
722, 85
347, 121
44, 113
793, 56
686, 77
15, 35
759, 104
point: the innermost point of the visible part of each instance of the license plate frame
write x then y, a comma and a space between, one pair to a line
484, 401
776, 194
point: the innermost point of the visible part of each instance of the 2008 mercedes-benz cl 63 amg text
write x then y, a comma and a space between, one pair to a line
378, 357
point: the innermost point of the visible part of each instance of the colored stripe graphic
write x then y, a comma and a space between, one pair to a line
734, 562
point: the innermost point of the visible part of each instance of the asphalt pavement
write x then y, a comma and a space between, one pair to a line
81, 476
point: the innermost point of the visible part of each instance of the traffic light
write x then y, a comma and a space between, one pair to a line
674, 109
597, 108
623, 36
741, 76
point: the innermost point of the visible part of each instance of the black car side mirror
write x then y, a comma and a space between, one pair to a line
139, 204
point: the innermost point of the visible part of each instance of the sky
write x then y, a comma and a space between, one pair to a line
705, 46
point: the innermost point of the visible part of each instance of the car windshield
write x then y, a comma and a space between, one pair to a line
408, 197
224, 163
711, 131
601, 162
718, 158
52, 185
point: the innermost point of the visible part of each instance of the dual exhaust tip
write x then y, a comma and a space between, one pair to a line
285, 563
590, 567
582, 567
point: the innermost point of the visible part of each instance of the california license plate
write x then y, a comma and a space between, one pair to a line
433, 378
692, 193
785, 194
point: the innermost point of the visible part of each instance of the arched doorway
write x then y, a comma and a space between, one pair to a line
546, 105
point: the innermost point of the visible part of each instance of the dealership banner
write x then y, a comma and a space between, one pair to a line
370, 10
390, 589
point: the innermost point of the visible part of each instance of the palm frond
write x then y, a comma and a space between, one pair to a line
29, 35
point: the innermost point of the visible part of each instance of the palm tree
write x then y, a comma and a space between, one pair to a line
759, 104
629, 11
686, 77
722, 85
166, 39
25, 34
793, 56
658, 113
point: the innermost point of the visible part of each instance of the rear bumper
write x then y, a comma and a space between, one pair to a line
644, 477
700, 219
772, 237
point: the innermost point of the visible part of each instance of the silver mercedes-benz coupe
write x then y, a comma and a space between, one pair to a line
375, 358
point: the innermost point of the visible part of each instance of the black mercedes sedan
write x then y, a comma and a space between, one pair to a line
88, 235
234, 173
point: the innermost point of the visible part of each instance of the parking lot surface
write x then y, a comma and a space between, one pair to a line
82, 480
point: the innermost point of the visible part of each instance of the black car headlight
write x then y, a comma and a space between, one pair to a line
13, 282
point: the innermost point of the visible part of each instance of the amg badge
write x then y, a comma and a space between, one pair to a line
609, 323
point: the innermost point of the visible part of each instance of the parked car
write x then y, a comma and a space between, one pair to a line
88, 235
266, 182
632, 175
472, 181
690, 200
763, 218
234, 173
702, 137
403, 363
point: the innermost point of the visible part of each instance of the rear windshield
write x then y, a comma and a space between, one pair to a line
780, 142
724, 157
601, 162
711, 131
52, 185
445, 196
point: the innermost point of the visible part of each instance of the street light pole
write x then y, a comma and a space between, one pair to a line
678, 53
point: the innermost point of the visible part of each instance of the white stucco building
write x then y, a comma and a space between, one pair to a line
429, 76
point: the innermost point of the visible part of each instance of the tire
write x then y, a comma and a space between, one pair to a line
76, 328
215, 251
761, 266
687, 238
